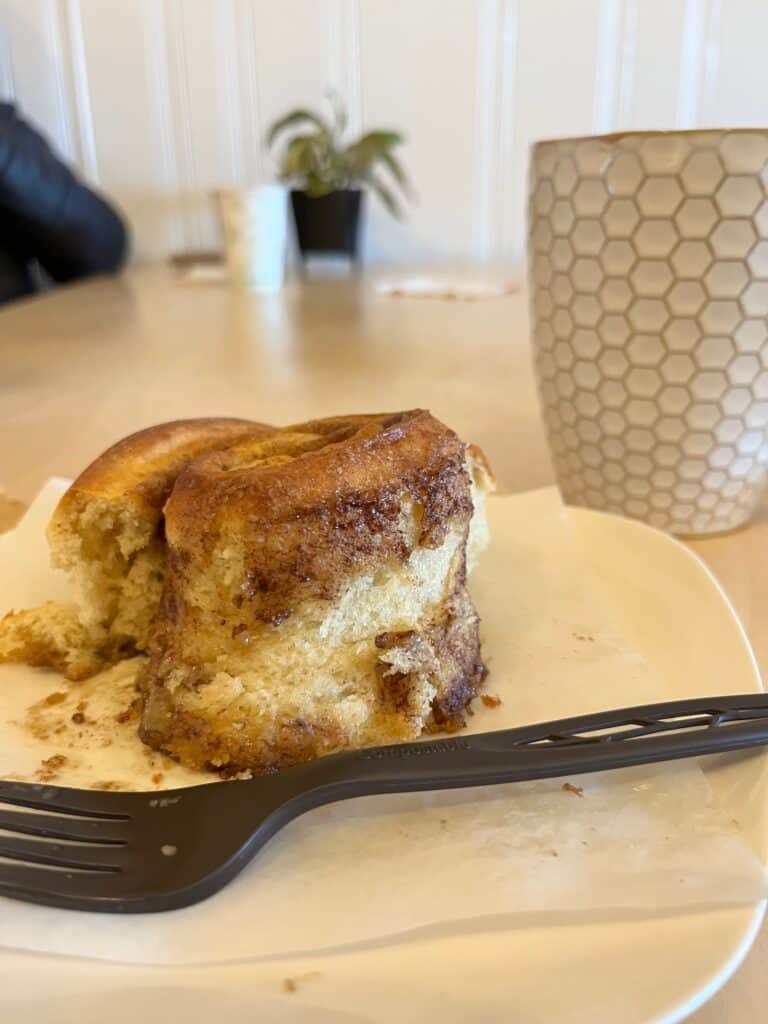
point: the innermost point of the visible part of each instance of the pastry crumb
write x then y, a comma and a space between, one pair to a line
131, 713
107, 784
157, 778
49, 768
54, 698
553, 853
489, 701
291, 984
568, 787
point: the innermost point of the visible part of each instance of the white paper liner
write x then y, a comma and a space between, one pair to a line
659, 837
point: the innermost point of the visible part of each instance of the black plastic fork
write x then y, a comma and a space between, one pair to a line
141, 852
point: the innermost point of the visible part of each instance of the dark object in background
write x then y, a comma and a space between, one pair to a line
328, 223
48, 217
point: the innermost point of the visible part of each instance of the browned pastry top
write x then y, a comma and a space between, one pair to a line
144, 465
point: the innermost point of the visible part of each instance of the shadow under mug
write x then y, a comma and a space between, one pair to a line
648, 272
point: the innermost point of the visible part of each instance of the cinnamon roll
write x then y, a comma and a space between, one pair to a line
315, 594
297, 590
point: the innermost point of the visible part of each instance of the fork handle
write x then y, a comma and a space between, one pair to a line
569, 746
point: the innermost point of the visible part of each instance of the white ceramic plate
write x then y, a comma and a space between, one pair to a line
618, 968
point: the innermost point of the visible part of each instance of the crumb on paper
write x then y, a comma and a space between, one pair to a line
131, 713
568, 787
553, 853
101, 752
50, 767
54, 698
489, 701
584, 637
292, 984
469, 710
231, 776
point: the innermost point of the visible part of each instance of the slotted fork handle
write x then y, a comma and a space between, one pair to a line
569, 746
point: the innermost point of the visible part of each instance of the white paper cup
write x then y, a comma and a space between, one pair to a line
648, 264
254, 228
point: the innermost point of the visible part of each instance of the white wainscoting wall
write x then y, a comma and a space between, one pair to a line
160, 101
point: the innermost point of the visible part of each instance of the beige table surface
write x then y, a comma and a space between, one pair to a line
86, 365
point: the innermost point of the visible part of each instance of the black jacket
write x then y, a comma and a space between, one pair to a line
47, 216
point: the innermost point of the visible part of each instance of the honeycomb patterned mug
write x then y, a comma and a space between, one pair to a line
648, 268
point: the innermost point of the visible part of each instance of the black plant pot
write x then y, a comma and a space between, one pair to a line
328, 223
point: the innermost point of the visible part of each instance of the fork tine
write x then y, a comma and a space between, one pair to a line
50, 826
62, 855
88, 802
81, 890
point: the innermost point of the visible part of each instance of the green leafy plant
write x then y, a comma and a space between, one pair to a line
320, 161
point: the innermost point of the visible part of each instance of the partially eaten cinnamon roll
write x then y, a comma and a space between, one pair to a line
107, 534
312, 592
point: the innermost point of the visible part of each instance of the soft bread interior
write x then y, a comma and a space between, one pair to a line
114, 556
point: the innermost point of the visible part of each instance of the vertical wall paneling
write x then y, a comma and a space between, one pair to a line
736, 78
183, 127
291, 44
656, 42
157, 65
253, 164
205, 89
7, 86
487, 123
710, 83
607, 66
422, 79
625, 104
58, 64
616, 65
79, 91
127, 67
344, 58
554, 93
33, 30
691, 63
162, 101
507, 124
230, 100
494, 122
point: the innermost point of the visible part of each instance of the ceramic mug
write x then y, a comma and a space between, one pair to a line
648, 269
254, 228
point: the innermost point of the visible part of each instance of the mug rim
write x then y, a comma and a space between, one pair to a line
650, 133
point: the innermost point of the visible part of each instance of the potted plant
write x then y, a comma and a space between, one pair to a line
328, 174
